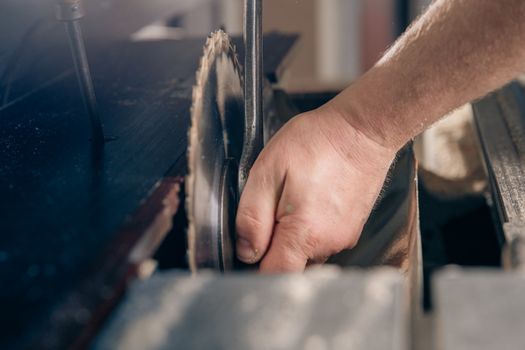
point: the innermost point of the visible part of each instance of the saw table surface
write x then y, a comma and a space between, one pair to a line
64, 206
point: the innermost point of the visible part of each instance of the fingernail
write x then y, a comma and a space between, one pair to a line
245, 252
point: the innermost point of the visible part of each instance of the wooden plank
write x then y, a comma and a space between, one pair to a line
325, 309
480, 309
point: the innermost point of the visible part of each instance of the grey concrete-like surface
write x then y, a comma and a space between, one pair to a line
479, 310
322, 309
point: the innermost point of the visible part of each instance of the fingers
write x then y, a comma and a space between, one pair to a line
292, 243
256, 213
286, 253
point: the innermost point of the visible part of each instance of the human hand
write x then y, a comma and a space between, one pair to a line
310, 192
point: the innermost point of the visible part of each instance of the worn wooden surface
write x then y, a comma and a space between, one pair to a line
324, 309
63, 204
478, 310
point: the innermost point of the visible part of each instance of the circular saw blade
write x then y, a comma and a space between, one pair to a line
215, 147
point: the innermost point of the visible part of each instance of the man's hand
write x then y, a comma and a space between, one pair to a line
309, 193
313, 186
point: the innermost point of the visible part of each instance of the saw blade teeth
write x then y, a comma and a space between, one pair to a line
216, 44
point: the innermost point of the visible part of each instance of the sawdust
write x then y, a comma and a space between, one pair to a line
450, 163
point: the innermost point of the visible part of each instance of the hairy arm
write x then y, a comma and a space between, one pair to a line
457, 51
313, 186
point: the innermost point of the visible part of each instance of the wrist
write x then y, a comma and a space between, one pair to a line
374, 105
348, 138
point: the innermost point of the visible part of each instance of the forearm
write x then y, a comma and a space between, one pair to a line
457, 51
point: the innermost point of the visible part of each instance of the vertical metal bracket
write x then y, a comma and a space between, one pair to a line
253, 86
70, 12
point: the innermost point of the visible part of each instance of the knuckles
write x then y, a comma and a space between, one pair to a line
248, 222
298, 237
